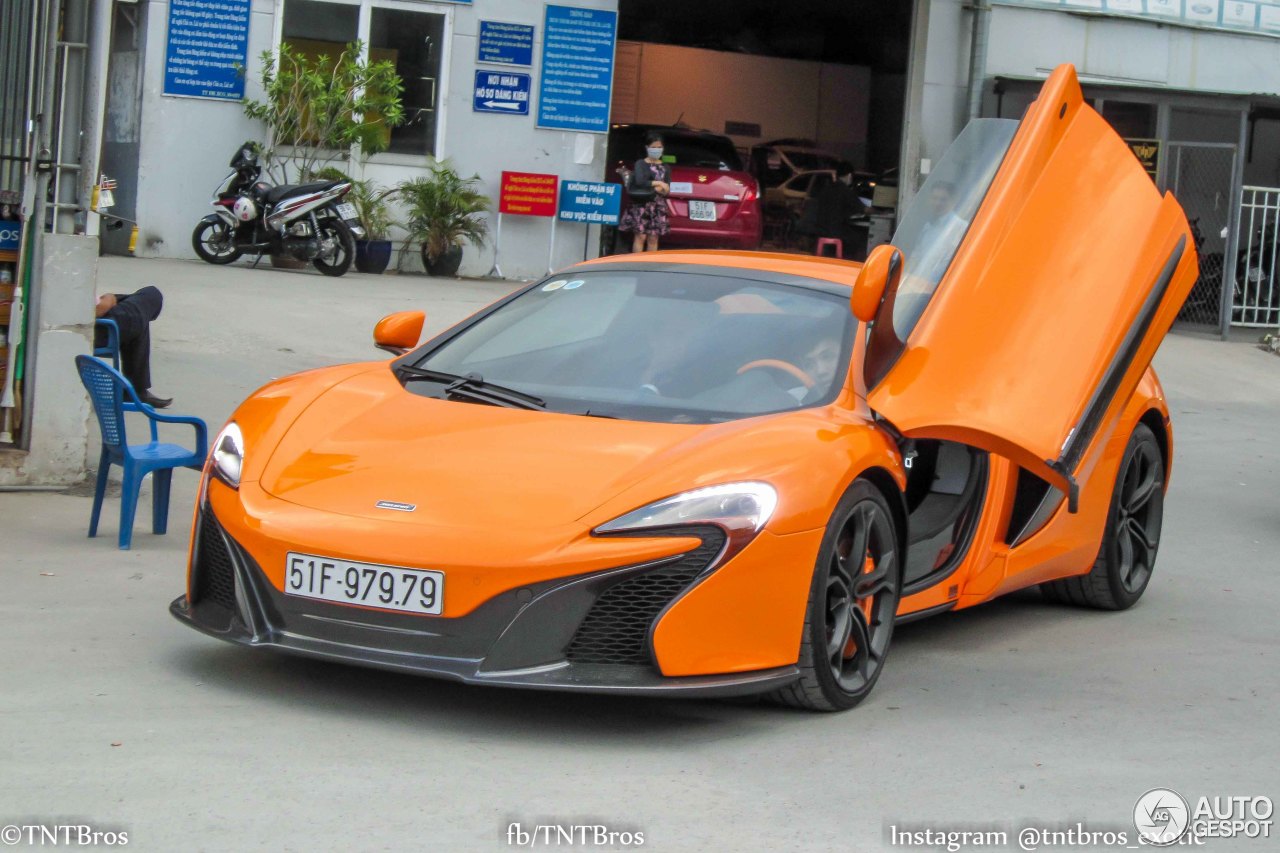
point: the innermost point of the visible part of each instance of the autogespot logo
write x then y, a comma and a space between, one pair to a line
1161, 816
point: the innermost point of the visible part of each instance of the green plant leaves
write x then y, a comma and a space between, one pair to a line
444, 209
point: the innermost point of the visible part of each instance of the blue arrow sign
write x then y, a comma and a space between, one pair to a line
501, 92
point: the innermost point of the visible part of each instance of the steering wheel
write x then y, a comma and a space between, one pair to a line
778, 364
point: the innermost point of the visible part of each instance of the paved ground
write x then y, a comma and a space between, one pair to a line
1017, 713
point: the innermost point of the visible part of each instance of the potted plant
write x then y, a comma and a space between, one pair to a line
373, 253
318, 108
445, 210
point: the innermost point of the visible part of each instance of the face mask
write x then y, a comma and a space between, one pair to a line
654, 153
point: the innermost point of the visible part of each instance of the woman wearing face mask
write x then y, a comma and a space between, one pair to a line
648, 220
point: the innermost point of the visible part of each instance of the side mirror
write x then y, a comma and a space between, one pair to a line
398, 333
878, 275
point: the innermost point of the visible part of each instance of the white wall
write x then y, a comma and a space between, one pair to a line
1032, 42
187, 142
487, 144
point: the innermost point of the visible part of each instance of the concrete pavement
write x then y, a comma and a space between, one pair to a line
1016, 713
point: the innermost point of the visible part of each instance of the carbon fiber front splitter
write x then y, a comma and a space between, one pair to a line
599, 678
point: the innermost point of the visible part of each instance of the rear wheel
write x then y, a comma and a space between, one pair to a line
215, 242
1128, 555
857, 584
338, 248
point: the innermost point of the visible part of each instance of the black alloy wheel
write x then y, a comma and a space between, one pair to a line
857, 585
1128, 555
215, 242
338, 247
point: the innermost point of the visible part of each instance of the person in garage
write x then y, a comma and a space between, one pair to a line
647, 187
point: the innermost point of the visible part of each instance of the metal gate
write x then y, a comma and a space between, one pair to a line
1256, 291
1200, 176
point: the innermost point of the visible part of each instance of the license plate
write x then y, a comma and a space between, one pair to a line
348, 211
367, 584
702, 211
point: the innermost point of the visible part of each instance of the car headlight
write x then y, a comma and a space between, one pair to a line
740, 509
228, 455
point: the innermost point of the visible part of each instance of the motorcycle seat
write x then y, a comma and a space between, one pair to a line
275, 195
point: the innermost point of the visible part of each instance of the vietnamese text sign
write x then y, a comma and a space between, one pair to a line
207, 47
11, 235
505, 44
577, 69
590, 202
501, 92
527, 194
1254, 16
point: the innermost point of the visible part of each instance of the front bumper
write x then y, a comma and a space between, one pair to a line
586, 633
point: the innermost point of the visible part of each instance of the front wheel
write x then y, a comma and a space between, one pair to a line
215, 242
1128, 555
857, 584
337, 247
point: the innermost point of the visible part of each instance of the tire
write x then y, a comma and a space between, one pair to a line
836, 674
204, 235
1128, 554
344, 251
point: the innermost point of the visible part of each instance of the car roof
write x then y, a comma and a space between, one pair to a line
671, 130
829, 271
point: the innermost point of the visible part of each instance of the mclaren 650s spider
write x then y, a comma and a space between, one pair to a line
729, 473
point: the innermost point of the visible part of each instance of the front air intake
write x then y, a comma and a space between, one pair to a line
616, 628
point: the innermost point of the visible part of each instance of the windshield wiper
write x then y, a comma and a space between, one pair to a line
473, 387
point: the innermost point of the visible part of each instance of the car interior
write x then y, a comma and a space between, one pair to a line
946, 485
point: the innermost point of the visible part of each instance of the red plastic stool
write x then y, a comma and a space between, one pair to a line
824, 242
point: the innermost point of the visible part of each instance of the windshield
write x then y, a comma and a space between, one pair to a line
661, 346
707, 151
938, 217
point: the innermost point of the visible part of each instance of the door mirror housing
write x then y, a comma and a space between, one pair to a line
398, 333
879, 274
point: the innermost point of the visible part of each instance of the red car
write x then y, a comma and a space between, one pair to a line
714, 203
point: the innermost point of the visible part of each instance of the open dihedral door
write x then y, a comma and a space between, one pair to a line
1067, 278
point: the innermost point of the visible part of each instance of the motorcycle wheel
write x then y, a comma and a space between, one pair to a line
214, 242
339, 261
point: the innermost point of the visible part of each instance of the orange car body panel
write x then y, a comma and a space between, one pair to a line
1010, 350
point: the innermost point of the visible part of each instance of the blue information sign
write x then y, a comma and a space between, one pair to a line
10, 236
501, 92
207, 49
591, 202
505, 44
577, 69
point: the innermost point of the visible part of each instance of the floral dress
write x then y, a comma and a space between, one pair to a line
650, 217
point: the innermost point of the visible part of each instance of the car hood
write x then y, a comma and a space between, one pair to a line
458, 464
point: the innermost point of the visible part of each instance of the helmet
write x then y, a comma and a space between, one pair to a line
244, 209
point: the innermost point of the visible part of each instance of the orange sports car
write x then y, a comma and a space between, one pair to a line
720, 473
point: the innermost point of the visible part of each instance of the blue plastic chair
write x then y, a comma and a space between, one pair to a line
112, 347
108, 391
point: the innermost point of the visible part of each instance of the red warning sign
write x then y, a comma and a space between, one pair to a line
528, 194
